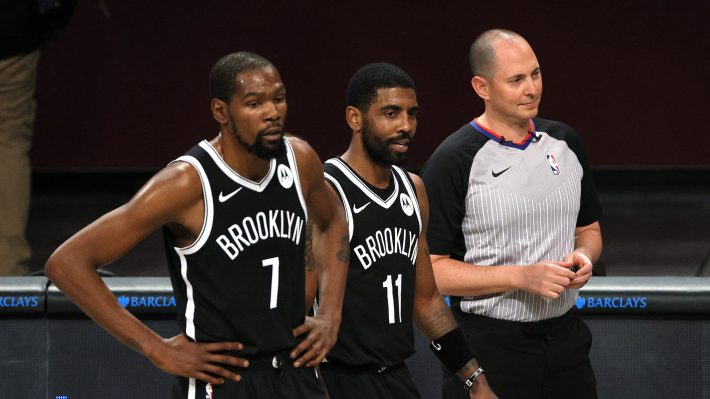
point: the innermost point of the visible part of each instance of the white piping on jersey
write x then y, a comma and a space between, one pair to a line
363, 187
239, 179
192, 389
192, 248
209, 207
296, 178
190, 306
412, 194
346, 204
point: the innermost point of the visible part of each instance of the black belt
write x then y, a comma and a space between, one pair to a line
541, 327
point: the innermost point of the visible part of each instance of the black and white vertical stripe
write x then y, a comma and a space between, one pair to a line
503, 227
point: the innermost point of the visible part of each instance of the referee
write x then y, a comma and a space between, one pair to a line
514, 230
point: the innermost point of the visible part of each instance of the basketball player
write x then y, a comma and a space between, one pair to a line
234, 211
515, 230
390, 281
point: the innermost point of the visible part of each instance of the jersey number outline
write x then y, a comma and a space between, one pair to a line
274, 262
390, 297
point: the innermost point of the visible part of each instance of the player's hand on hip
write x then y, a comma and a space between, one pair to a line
180, 356
584, 268
546, 278
322, 332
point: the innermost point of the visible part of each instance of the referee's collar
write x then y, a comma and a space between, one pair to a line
521, 145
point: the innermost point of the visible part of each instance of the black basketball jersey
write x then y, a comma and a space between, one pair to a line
384, 224
243, 278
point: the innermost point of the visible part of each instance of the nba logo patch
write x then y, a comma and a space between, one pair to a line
208, 391
553, 164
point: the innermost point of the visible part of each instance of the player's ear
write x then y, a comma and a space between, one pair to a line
480, 86
353, 117
220, 111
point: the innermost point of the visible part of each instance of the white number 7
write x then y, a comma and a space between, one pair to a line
274, 278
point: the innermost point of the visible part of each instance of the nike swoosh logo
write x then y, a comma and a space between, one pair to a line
223, 197
358, 210
436, 346
501, 172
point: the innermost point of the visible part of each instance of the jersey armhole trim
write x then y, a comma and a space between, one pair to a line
346, 204
297, 177
209, 207
412, 193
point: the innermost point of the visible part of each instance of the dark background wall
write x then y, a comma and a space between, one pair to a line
126, 86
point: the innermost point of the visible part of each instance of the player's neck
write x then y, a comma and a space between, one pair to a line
512, 129
374, 173
240, 160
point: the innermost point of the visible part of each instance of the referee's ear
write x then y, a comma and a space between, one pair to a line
480, 86
353, 116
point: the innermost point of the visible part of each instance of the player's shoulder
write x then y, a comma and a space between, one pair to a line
178, 178
299, 145
307, 161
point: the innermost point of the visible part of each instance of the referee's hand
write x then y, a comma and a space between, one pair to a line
322, 332
547, 278
180, 356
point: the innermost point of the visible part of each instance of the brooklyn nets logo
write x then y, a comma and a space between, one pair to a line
285, 176
406, 203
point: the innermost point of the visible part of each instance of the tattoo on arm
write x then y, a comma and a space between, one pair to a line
343, 254
310, 261
437, 323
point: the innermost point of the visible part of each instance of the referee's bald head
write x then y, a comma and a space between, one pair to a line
481, 56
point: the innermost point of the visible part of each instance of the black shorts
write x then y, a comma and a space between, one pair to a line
265, 378
547, 359
345, 382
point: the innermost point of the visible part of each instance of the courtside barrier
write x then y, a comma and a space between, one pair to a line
651, 340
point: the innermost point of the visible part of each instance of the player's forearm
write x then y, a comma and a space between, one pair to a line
80, 283
458, 278
332, 266
433, 317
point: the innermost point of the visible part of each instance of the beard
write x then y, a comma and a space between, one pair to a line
378, 149
267, 151
260, 148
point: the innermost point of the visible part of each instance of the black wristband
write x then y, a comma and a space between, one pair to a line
452, 350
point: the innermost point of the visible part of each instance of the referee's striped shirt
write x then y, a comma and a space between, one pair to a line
494, 202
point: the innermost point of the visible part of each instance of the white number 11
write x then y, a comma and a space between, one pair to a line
390, 296
274, 279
